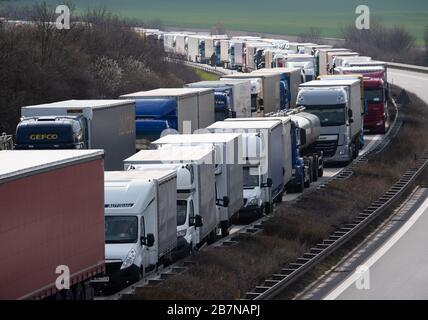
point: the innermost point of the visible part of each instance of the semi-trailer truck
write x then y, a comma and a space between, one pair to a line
323, 65
304, 62
337, 103
80, 124
197, 214
52, 223
176, 109
140, 224
331, 58
232, 98
265, 95
291, 77
263, 163
228, 168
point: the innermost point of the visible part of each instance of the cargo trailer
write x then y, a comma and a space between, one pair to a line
323, 66
52, 223
80, 124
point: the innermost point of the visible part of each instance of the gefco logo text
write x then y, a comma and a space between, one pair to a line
44, 136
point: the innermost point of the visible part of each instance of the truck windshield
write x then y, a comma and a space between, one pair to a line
330, 115
120, 229
181, 212
250, 178
373, 95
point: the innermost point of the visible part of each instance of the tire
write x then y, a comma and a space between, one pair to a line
315, 169
224, 226
212, 237
79, 294
89, 292
59, 296
320, 172
268, 208
68, 295
301, 186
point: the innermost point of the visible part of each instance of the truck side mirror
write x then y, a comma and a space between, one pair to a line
268, 183
198, 221
149, 240
226, 201
302, 137
350, 113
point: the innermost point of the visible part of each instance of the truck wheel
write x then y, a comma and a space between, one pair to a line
320, 172
78, 292
301, 186
68, 295
268, 208
224, 226
315, 169
212, 237
307, 183
89, 292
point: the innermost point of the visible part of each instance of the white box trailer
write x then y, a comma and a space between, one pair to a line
286, 140
213, 45
251, 51
236, 54
262, 158
241, 94
193, 48
343, 61
195, 106
139, 205
323, 65
195, 167
180, 44
293, 76
311, 49
169, 42
228, 172
224, 52
269, 97
80, 124
333, 55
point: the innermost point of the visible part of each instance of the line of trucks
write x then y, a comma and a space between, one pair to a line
113, 189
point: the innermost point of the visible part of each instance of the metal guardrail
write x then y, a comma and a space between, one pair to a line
407, 67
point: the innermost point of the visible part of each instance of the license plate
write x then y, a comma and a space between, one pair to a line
101, 279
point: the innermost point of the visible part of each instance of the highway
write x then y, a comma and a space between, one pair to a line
397, 268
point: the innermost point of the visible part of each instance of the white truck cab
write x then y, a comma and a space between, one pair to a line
140, 223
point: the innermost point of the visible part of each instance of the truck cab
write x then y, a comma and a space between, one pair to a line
377, 113
331, 106
52, 132
139, 225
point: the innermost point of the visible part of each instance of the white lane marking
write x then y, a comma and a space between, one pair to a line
379, 253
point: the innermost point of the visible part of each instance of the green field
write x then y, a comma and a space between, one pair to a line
272, 16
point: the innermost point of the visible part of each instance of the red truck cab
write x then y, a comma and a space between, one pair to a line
377, 111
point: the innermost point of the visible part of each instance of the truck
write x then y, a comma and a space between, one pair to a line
171, 109
374, 64
236, 54
80, 124
304, 62
263, 163
343, 61
197, 213
283, 86
232, 98
275, 58
302, 164
254, 54
228, 169
213, 46
332, 56
312, 48
265, 95
323, 65
140, 224
374, 102
337, 103
299, 47
52, 223
224, 53
291, 77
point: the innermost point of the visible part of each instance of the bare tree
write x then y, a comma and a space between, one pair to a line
313, 34
218, 28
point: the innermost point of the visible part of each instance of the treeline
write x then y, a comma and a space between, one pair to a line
389, 44
100, 60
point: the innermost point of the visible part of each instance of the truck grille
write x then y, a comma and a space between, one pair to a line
328, 147
113, 267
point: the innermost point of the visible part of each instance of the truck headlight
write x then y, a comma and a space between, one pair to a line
252, 202
182, 233
129, 259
